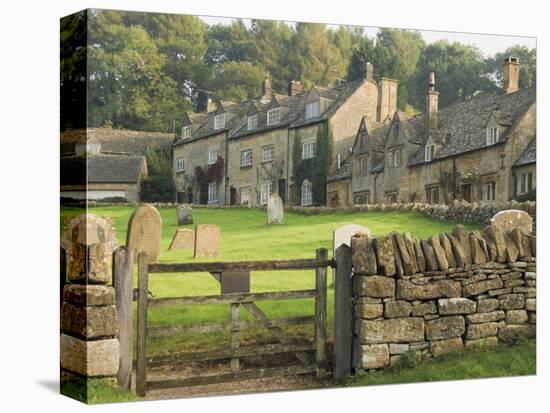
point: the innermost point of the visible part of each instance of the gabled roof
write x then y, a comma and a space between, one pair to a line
529, 155
343, 173
462, 125
375, 132
79, 170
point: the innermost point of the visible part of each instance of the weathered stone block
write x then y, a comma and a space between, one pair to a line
512, 252
481, 342
481, 287
395, 330
88, 295
513, 283
383, 247
446, 245
531, 304
512, 302
495, 235
89, 358
399, 269
369, 311
451, 345
500, 291
485, 317
420, 260
423, 309
463, 238
449, 306
90, 322
363, 256
398, 348
375, 356
439, 252
458, 252
516, 317
407, 290
429, 256
409, 242
445, 327
487, 305
374, 286
395, 309
512, 333
478, 248
476, 331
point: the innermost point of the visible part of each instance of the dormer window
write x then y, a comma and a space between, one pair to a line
186, 132
313, 109
273, 116
219, 121
252, 122
492, 135
430, 152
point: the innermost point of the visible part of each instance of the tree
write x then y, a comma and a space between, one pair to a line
238, 81
232, 43
527, 69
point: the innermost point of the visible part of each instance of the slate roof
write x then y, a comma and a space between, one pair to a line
116, 140
529, 155
462, 125
343, 173
79, 170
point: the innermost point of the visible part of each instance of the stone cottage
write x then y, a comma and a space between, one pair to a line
480, 149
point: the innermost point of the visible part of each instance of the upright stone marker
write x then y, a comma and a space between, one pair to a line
275, 210
144, 229
184, 239
513, 218
342, 235
185, 214
207, 240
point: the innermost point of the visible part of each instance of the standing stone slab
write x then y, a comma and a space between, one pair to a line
446, 244
184, 214
512, 251
420, 260
458, 252
184, 239
383, 246
275, 210
478, 253
144, 231
495, 235
342, 235
463, 237
513, 218
409, 242
399, 269
439, 252
429, 256
363, 255
207, 240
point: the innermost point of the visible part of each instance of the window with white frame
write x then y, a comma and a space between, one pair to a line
252, 122
313, 109
394, 158
267, 153
246, 158
180, 164
266, 189
212, 156
308, 150
273, 116
525, 183
492, 135
488, 191
219, 121
307, 193
186, 132
212, 192
430, 152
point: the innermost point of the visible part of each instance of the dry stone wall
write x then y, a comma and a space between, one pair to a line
432, 297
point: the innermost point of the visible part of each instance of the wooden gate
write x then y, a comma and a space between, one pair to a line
318, 364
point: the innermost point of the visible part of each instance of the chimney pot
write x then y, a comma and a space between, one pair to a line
510, 74
295, 87
266, 88
432, 102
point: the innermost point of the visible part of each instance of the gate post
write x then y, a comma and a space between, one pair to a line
321, 313
343, 317
124, 283
141, 351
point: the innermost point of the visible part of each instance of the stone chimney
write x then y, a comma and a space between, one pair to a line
432, 99
510, 74
204, 103
295, 87
266, 89
368, 71
387, 98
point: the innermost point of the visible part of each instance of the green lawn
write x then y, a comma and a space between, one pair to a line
246, 236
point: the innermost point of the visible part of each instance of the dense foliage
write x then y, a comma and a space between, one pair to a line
157, 188
145, 69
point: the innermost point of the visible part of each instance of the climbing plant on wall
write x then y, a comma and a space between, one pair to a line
213, 173
314, 169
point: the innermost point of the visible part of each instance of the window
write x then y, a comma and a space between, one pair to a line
252, 122
180, 164
273, 116
307, 194
267, 153
246, 158
432, 195
430, 152
308, 150
266, 190
186, 132
312, 109
361, 198
212, 192
361, 164
212, 156
488, 191
219, 121
245, 195
394, 158
492, 135
525, 183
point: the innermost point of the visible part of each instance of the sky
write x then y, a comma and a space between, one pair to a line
489, 44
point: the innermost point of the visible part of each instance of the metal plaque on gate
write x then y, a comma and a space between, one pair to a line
235, 282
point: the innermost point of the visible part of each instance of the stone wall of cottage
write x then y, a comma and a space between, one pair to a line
426, 298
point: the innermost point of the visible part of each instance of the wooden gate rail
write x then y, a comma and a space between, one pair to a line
320, 264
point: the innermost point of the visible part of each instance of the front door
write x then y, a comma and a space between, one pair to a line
282, 189
233, 195
467, 192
